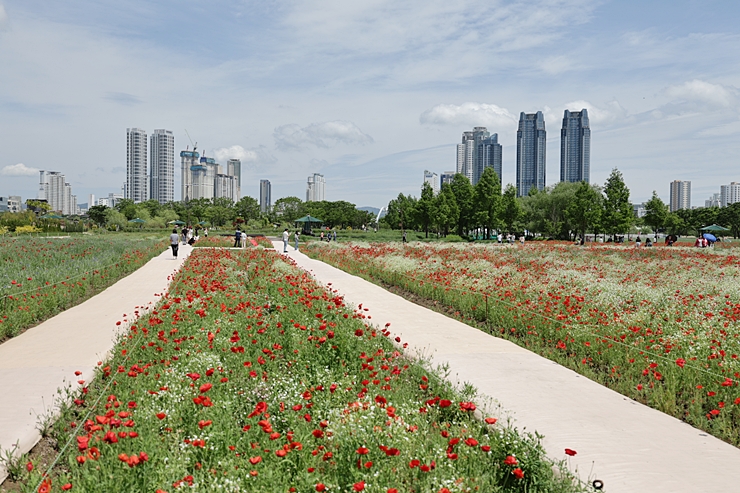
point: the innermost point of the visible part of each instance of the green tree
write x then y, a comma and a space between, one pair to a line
464, 193
656, 213
247, 208
618, 215
546, 211
729, 217
425, 208
127, 208
152, 206
38, 206
288, 209
98, 214
584, 211
446, 210
487, 201
511, 210
401, 212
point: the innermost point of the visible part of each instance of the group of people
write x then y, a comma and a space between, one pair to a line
702, 242
187, 236
286, 238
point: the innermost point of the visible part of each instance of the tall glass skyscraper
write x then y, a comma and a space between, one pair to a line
575, 147
265, 195
162, 166
489, 155
531, 142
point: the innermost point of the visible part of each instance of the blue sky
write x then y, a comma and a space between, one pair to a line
369, 93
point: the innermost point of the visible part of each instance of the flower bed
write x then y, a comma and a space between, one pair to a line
659, 325
41, 277
250, 377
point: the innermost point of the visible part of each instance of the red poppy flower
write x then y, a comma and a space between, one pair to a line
570, 452
255, 460
518, 473
67, 486
320, 487
359, 486
363, 450
510, 460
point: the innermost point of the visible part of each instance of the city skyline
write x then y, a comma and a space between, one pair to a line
661, 89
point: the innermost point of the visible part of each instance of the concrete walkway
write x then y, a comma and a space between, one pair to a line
38, 363
630, 447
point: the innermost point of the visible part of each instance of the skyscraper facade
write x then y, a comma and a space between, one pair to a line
469, 153
729, 194
575, 147
234, 168
137, 181
188, 159
446, 177
531, 141
53, 188
315, 188
680, 195
431, 178
162, 166
265, 195
489, 156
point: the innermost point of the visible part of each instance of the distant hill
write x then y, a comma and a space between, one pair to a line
372, 210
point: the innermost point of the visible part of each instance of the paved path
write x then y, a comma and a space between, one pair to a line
34, 365
630, 447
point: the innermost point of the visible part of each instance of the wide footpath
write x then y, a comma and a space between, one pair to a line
38, 363
626, 445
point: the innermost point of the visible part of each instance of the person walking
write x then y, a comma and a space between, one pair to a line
184, 235
335, 235
238, 238
174, 242
286, 237
296, 239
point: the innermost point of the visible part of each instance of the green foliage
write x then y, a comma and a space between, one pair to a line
618, 215
98, 213
511, 210
288, 209
463, 192
424, 211
656, 213
546, 211
447, 210
585, 209
487, 201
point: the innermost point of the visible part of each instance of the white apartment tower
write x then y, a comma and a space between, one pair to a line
188, 159
58, 193
729, 194
315, 188
234, 168
162, 166
680, 195
431, 178
137, 180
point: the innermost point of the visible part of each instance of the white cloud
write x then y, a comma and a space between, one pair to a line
468, 114
704, 93
3, 15
19, 169
605, 114
257, 155
323, 134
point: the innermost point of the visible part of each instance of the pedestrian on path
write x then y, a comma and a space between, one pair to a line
286, 237
238, 238
174, 242
297, 234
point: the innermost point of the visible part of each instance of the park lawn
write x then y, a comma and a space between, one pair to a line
42, 276
660, 325
248, 376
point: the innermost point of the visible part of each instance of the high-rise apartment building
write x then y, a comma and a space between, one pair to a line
53, 188
446, 177
489, 156
575, 147
680, 195
234, 168
470, 153
531, 141
431, 178
188, 159
225, 186
162, 166
729, 194
265, 195
137, 180
203, 177
315, 188
714, 200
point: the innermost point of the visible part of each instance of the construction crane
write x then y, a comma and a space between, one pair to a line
195, 145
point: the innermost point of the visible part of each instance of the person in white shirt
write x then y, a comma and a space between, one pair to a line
286, 237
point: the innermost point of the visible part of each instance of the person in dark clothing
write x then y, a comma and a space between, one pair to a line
238, 238
174, 242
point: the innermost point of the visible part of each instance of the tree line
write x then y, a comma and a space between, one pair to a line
562, 211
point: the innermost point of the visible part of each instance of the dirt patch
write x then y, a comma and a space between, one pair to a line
42, 455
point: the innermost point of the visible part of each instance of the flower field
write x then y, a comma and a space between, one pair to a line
41, 277
659, 325
248, 376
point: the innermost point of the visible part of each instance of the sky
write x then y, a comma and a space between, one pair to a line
370, 93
